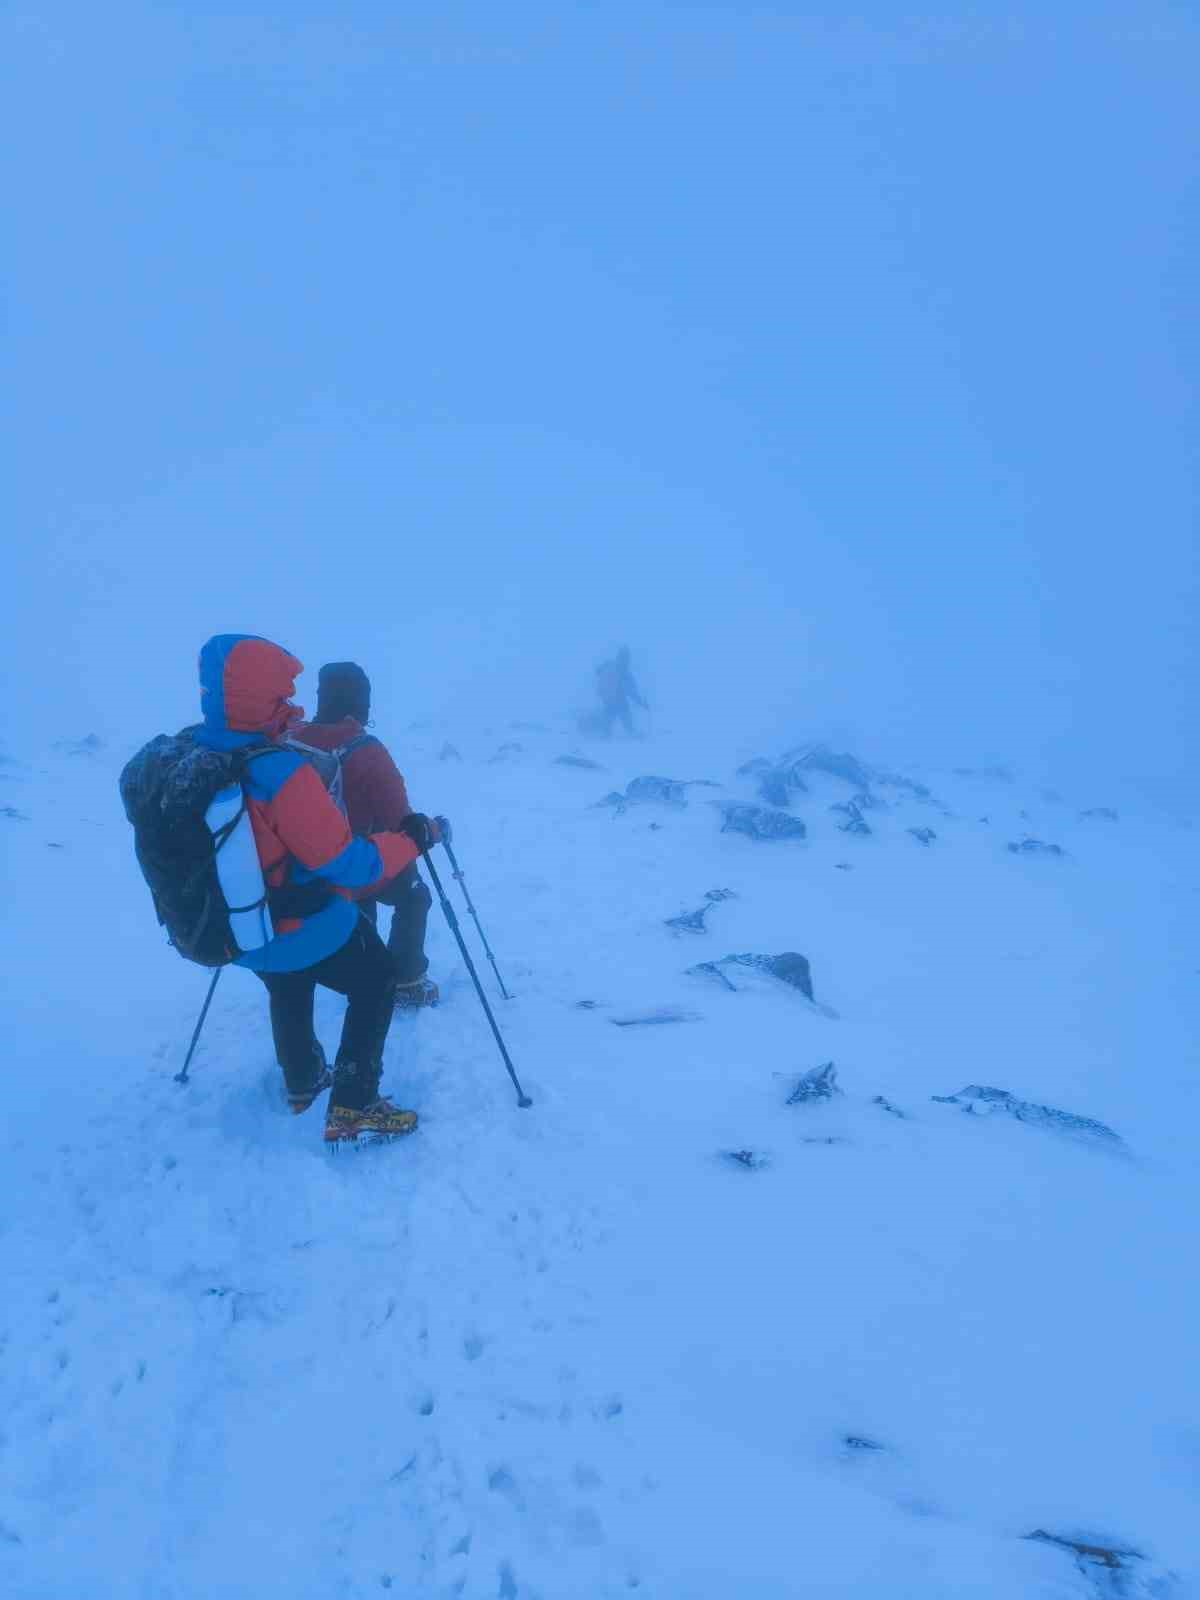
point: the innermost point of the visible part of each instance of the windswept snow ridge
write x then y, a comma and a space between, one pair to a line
711, 1319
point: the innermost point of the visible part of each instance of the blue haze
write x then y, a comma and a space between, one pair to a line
845, 365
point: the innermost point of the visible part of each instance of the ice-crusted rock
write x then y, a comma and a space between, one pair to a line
656, 791
1090, 1552
855, 821
885, 1104
1099, 814
578, 761
13, 814
818, 1084
448, 753
693, 921
894, 780
924, 836
994, 774
756, 822
1035, 847
979, 1100
655, 1018
790, 968
750, 1159
822, 759
774, 788
90, 745
507, 752
689, 921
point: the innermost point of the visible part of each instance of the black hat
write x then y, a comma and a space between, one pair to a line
343, 690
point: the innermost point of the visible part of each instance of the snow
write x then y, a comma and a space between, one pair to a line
577, 1350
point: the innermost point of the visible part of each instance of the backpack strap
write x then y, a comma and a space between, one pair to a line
351, 745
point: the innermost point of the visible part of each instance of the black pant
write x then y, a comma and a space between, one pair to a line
410, 901
362, 970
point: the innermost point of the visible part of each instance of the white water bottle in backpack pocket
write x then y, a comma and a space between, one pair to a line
239, 871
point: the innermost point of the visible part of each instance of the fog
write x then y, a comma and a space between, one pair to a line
843, 368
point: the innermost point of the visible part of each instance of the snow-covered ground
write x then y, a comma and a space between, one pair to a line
581, 1350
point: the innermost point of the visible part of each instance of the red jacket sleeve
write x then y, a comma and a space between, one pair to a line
312, 829
376, 798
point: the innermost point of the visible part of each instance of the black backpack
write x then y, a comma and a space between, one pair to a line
166, 789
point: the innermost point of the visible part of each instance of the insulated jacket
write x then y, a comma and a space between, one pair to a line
302, 838
372, 788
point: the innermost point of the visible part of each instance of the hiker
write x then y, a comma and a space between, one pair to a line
617, 687
375, 797
311, 863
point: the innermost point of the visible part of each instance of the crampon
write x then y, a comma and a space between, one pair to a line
378, 1123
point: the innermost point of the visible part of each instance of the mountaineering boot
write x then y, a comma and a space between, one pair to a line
380, 1120
412, 996
300, 1100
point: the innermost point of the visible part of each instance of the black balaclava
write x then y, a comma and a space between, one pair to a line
343, 690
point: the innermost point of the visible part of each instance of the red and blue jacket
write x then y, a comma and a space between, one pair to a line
246, 684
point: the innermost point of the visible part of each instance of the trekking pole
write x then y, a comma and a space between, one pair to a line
457, 870
182, 1077
523, 1099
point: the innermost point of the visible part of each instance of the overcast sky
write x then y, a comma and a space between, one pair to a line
844, 366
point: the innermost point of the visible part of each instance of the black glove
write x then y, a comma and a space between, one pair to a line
422, 830
445, 831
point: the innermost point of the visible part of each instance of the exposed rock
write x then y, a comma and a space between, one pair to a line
789, 968
711, 969
924, 836
858, 1441
656, 791
693, 921
886, 1105
846, 767
91, 744
647, 1019
689, 921
746, 1158
893, 780
775, 789
1088, 1553
996, 774
818, 1084
1035, 847
979, 1100
855, 821
756, 822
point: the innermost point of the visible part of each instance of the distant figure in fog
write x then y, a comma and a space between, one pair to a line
618, 691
